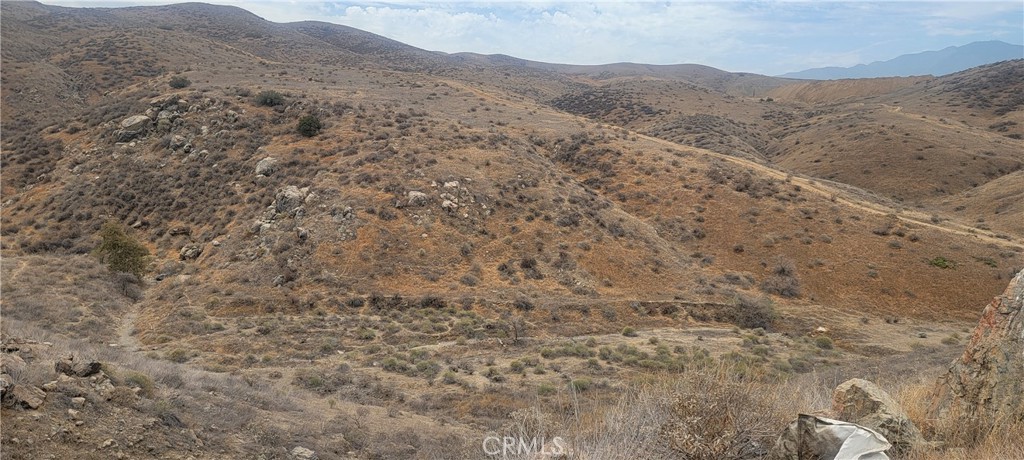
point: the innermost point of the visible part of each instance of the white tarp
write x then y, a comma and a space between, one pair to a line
811, 437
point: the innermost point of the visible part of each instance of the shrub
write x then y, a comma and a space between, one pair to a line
365, 334
629, 332
309, 126
178, 82
269, 98
141, 381
942, 262
580, 385
783, 280
121, 252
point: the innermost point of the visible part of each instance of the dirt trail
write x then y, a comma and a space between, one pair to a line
818, 186
125, 329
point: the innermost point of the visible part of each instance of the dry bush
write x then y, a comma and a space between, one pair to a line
958, 436
783, 280
705, 413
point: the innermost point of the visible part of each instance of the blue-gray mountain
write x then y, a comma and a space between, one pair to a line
946, 61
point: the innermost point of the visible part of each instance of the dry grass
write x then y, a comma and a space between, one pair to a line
710, 414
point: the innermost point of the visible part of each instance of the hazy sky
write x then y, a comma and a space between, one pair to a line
768, 37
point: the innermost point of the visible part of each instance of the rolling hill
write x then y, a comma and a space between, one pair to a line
465, 237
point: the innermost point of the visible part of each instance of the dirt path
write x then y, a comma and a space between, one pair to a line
125, 330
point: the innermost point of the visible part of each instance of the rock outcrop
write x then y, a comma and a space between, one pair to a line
987, 381
77, 367
132, 127
190, 252
24, 396
864, 403
266, 166
289, 198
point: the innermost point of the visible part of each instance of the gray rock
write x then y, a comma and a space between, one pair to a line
135, 122
190, 252
24, 396
302, 453
417, 198
11, 364
987, 381
288, 199
864, 403
133, 127
178, 141
77, 368
266, 166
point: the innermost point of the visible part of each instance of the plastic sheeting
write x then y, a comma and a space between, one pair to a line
811, 437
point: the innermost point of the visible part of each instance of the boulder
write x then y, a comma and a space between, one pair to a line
417, 198
266, 166
77, 368
288, 199
864, 403
302, 453
178, 141
135, 122
24, 396
132, 127
11, 364
190, 252
987, 381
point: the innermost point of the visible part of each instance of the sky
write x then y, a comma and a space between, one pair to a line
767, 37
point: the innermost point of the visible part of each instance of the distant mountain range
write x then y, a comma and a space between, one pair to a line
946, 61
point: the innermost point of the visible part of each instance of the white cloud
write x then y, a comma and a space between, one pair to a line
768, 37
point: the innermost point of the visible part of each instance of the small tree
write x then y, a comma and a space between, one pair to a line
120, 251
309, 126
269, 98
178, 82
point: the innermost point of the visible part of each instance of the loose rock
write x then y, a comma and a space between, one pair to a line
864, 403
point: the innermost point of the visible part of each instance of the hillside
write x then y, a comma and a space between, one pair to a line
465, 237
942, 62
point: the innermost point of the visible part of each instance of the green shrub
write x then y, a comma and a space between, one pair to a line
580, 385
629, 332
309, 126
942, 262
269, 98
823, 342
140, 381
178, 82
121, 252
178, 355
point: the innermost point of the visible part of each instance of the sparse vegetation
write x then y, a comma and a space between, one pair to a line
413, 253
